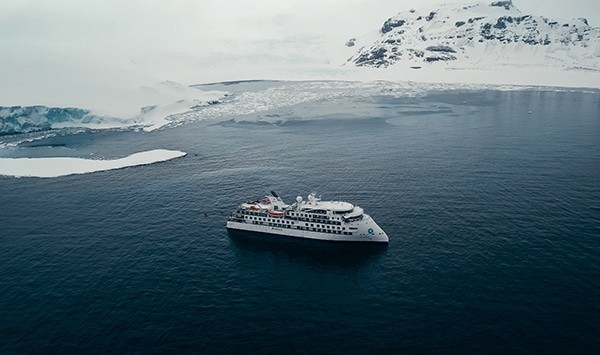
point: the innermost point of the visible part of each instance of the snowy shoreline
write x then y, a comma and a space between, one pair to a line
62, 166
450, 75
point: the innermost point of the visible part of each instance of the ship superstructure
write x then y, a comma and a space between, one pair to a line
311, 218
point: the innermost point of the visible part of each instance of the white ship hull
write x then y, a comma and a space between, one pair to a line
295, 233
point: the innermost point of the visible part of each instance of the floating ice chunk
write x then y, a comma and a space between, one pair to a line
61, 166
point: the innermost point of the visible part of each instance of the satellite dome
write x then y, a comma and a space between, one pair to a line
299, 199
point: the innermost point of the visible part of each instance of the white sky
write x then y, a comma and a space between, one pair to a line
61, 50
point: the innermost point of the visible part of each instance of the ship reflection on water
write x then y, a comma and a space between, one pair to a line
326, 254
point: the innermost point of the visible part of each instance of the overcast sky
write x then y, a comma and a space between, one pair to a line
56, 45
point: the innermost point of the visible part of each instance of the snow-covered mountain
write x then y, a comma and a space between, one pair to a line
479, 36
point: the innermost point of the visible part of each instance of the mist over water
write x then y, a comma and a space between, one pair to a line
490, 200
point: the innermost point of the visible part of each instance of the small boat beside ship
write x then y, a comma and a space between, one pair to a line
311, 218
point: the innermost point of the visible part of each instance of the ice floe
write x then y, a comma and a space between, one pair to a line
61, 166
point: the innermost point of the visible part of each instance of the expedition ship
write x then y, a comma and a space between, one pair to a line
312, 219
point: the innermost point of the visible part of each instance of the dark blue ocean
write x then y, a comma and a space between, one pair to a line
491, 200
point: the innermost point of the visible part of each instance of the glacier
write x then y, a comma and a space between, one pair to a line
156, 105
25, 119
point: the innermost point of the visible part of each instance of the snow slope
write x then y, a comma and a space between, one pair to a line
494, 36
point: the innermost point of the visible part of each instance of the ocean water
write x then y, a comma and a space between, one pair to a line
491, 200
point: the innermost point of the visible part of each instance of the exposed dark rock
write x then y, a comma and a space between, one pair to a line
507, 4
351, 42
546, 41
390, 24
416, 53
430, 16
374, 58
440, 57
443, 49
584, 20
500, 24
486, 30
459, 23
473, 19
530, 40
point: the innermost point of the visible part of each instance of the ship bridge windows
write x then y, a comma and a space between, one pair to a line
342, 211
319, 211
353, 219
